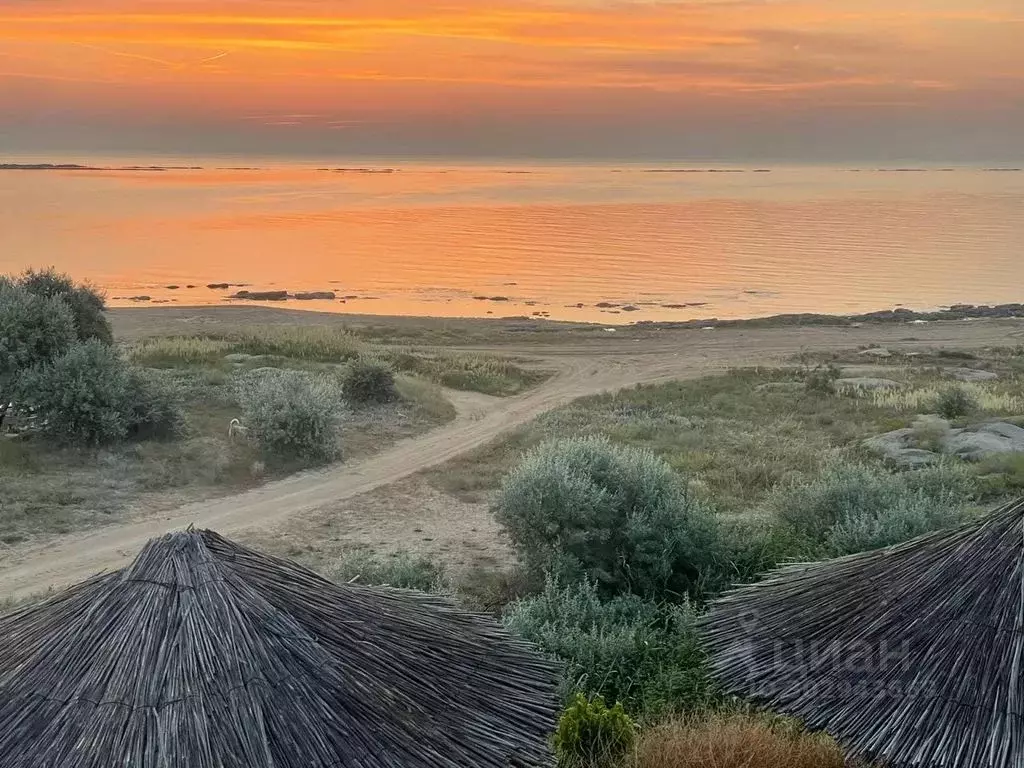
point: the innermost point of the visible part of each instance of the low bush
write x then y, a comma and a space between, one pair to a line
90, 396
593, 735
821, 379
402, 570
583, 508
153, 406
366, 380
853, 507
930, 431
735, 741
86, 303
33, 331
291, 414
641, 653
955, 402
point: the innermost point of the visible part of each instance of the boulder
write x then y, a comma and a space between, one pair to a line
865, 383
876, 352
316, 295
984, 441
261, 295
899, 448
972, 375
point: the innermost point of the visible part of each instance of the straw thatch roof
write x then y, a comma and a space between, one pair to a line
911, 655
204, 654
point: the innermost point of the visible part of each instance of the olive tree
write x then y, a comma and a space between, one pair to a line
34, 330
583, 508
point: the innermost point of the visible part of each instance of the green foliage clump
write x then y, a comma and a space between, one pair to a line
153, 406
821, 379
402, 570
366, 380
852, 507
33, 331
90, 396
592, 735
291, 414
86, 303
583, 508
642, 653
955, 402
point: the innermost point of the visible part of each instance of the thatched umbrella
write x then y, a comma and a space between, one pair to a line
204, 654
910, 655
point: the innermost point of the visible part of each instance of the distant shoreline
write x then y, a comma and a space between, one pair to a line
899, 315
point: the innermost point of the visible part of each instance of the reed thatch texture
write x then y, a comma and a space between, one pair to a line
204, 654
911, 655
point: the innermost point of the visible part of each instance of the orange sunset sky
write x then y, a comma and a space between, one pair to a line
932, 80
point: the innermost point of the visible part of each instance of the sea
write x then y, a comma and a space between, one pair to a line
610, 243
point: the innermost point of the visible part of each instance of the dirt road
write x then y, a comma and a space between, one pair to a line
589, 367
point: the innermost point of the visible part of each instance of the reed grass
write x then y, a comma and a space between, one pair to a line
735, 741
986, 398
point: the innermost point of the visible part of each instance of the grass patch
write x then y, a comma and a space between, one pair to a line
475, 373
426, 396
735, 741
735, 438
995, 398
300, 345
48, 490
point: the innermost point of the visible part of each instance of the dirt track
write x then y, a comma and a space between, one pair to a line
584, 368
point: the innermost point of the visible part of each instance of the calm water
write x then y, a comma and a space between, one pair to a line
427, 240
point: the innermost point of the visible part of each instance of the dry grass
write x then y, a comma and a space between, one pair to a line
735, 741
303, 345
426, 396
178, 350
995, 398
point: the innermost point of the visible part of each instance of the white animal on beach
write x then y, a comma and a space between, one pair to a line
236, 427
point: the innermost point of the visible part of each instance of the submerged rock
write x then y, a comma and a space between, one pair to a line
261, 295
316, 295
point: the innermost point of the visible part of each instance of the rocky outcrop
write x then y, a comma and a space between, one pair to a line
982, 442
975, 443
865, 383
261, 295
316, 296
971, 374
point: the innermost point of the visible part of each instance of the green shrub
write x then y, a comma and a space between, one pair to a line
33, 331
592, 735
955, 402
81, 397
153, 406
642, 653
821, 379
368, 381
583, 508
86, 303
851, 507
907, 519
291, 414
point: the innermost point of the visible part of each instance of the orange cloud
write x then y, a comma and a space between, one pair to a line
362, 59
